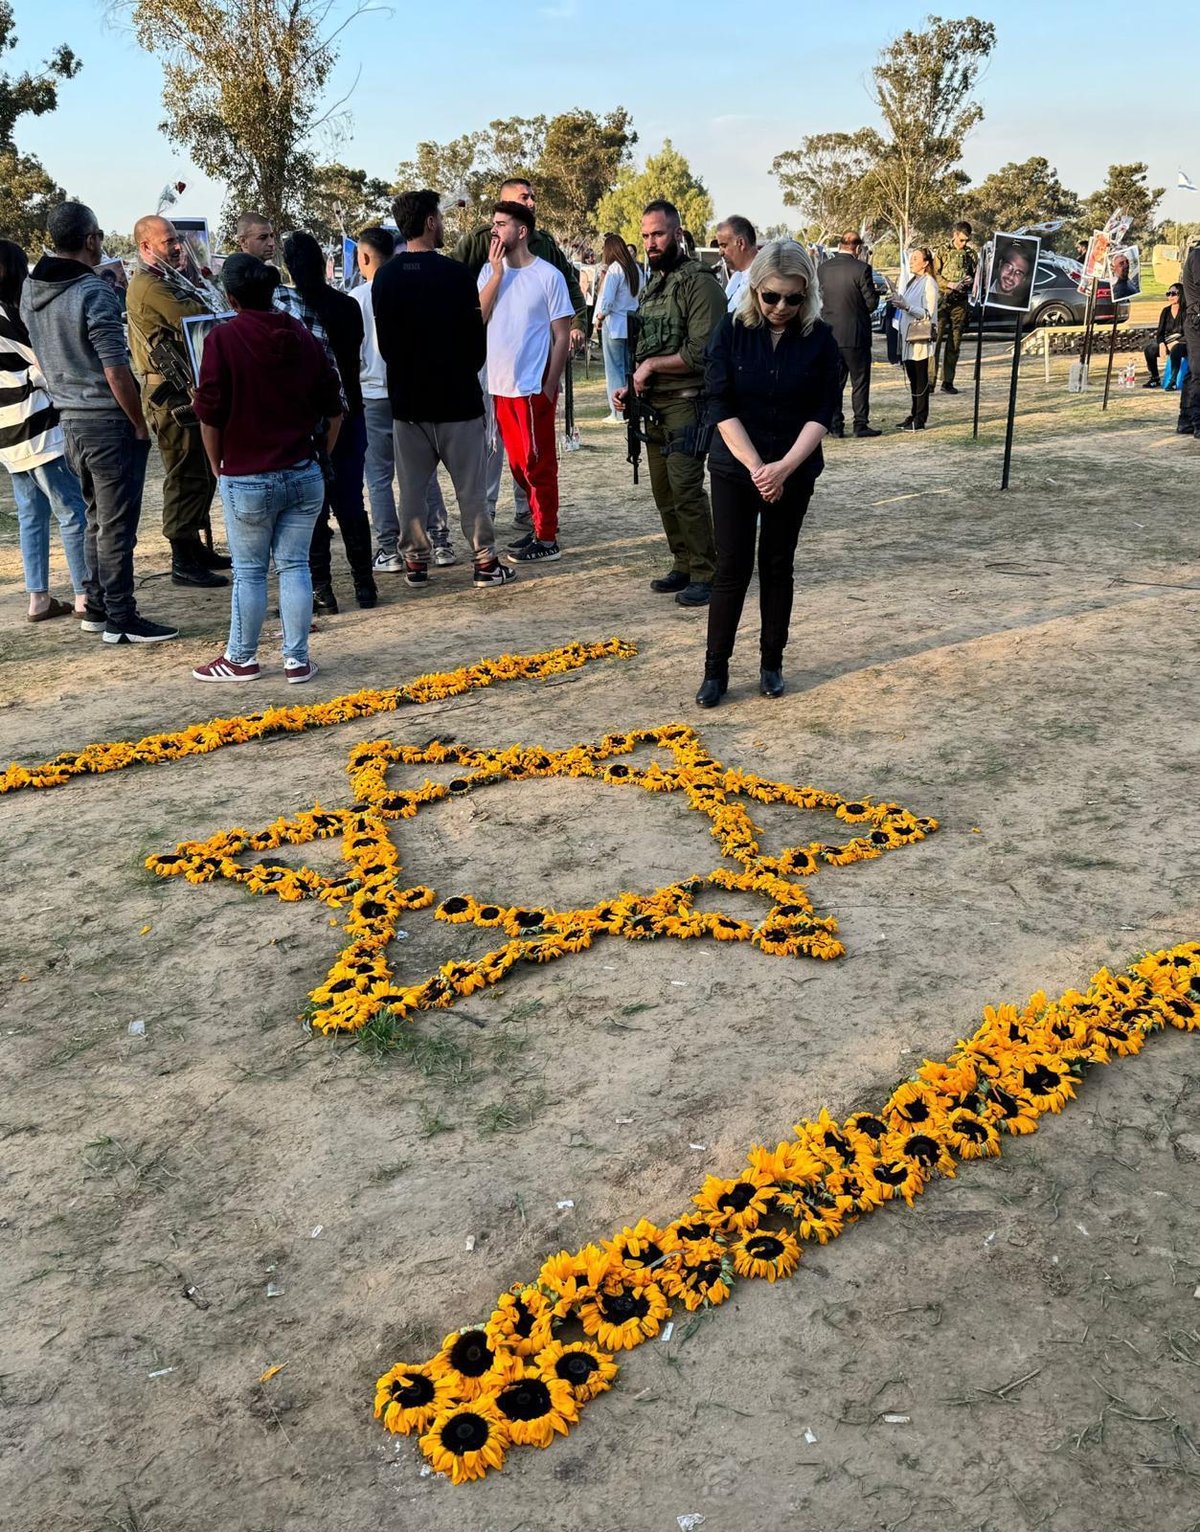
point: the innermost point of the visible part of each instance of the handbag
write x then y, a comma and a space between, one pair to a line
921, 332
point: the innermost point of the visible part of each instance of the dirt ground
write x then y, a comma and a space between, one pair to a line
1021, 665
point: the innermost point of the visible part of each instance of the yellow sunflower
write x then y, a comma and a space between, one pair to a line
768, 1253
737, 1204
410, 1398
1047, 1082
466, 1440
970, 1137
698, 1274
467, 1357
520, 1322
621, 1315
534, 1408
584, 1368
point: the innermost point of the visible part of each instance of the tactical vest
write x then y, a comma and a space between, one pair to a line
662, 324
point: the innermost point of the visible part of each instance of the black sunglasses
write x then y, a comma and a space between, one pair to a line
1172, 292
789, 300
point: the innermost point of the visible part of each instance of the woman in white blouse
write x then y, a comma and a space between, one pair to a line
918, 305
618, 299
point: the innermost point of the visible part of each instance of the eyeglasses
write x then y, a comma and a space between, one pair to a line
789, 300
1172, 292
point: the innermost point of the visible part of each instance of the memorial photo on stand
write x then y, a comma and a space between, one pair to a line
1012, 270
196, 330
1125, 273
194, 234
1095, 258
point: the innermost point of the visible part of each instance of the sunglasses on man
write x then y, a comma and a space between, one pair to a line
789, 300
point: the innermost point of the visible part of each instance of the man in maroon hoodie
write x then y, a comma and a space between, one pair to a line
268, 400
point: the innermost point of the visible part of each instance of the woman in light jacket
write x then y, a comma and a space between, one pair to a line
618, 300
918, 305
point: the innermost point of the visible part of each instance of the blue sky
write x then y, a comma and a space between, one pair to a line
730, 92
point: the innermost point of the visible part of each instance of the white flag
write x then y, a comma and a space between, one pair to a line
1185, 183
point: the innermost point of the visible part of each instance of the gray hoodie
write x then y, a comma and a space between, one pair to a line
75, 322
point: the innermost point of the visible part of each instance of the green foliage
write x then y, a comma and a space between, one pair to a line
904, 172
343, 201
1125, 187
27, 194
667, 174
29, 95
572, 160
825, 179
1017, 195
581, 157
243, 82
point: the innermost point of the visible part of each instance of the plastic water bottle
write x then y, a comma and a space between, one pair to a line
1130, 374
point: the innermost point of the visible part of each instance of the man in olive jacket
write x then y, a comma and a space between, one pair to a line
156, 314
678, 309
472, 251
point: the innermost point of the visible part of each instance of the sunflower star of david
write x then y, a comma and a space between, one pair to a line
361, 984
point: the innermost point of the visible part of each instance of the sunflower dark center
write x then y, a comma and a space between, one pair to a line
873, 1127
527, 1400
489, 911
1040, 1079
529, 918
890, 1175
618, 771
856, 808
707, 1273
972, 1128
454, 906
738, 1198
465, 1432
922, 1148
459, 785
1009, 1105
765, 1247
524, 1320
836, 1141
649, 1254
339, 985
915, 1111
698, 1230
617, 1308
576, 1367
471, 1355
412, 1391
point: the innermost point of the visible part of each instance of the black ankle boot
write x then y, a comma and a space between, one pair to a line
186, 568
770, 682
715, 683
209, 558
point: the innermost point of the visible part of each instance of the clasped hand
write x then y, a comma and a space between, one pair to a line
769, 479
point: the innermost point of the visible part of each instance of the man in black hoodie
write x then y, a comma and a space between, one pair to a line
75, 322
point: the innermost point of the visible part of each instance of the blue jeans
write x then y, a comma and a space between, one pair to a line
616, 362
38, 491
381, 470
271, 515
110, 463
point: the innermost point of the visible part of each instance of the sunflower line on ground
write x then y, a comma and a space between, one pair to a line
519, 1380
217, 733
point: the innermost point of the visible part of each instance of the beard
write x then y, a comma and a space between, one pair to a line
669, 258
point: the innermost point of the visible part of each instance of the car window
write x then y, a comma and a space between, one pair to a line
1046, 276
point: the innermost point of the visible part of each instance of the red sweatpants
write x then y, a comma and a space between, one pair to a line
527, 429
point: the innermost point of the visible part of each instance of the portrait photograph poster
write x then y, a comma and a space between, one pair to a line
1125, 273
1012, 270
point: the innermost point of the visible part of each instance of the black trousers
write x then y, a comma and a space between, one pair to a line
1176, 354
738, 509
344, 498
918, 382
855, 365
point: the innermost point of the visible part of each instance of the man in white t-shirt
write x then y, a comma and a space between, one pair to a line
375, 247
528, 313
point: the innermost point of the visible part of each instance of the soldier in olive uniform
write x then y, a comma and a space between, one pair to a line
954, 267
156, 314
679, 308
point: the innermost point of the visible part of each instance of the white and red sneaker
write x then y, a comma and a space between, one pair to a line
299, 671
225, 669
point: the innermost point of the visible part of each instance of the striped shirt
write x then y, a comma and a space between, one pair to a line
30, 433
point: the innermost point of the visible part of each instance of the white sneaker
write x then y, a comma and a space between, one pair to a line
444, 555
388, 563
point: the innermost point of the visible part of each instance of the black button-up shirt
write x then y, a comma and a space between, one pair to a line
774, 390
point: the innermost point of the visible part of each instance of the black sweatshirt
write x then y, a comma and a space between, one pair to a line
429, 330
